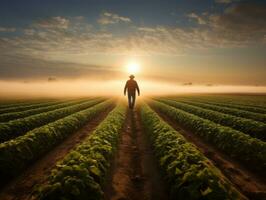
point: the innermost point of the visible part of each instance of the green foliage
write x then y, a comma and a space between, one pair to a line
16, 154
187, 171
82, 172
19, 127
244, 101
239, 146
20, 114
250, 127
237, 106
236, 112
25, 106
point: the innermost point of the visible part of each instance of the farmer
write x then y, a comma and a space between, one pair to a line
131, 87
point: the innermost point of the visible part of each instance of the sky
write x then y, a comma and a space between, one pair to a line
174, 43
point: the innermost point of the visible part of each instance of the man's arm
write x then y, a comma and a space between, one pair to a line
125, 88
137, 87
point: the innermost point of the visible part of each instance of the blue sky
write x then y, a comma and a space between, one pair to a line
214, 41
153, 12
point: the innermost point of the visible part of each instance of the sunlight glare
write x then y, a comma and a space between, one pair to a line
133, 67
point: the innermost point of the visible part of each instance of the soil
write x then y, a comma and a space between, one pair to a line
24, 185
250, 184
134, 173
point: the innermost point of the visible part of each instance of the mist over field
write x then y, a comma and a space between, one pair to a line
83, 88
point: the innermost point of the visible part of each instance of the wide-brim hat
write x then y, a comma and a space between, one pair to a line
131, 76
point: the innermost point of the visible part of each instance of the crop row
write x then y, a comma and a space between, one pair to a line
27, 107
239, 146
232, 105
189, 174
236, 112
19, 127
245, 101
81, 174
9, 104
248, 126
17, 154
241, 107
20, 114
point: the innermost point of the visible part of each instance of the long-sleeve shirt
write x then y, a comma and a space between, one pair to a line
131, 87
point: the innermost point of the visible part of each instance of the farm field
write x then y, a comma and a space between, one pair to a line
169, 147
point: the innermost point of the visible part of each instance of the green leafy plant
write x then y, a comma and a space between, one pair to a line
237, 145
250, 127
81, 174
19, 127
17, 154
237, 105
189, 174
26, 106
20, 114
236, 112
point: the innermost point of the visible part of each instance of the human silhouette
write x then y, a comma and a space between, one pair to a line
131, 87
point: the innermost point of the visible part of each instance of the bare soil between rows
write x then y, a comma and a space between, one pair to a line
134, 173
250, 184
22, 187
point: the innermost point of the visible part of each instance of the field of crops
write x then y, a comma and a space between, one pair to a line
172, 147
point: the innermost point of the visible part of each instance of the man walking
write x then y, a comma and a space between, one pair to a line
131, 87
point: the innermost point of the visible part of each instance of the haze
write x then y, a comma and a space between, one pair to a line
80, 48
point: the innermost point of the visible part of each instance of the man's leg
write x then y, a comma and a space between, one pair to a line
129, 100
133, 100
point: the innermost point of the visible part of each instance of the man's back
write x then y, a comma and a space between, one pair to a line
132, 86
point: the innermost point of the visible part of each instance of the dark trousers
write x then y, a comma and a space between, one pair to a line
131, 100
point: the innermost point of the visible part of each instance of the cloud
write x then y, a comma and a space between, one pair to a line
79, 40
146, 29
241, 22
53, 22
242, 17
7, 29
224, 1
28, 68
73, 40
29, 31
198, 18
112, 18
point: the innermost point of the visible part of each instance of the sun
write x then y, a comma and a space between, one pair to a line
133, 67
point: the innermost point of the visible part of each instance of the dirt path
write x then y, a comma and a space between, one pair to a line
22, 187
134, 174
249, 183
